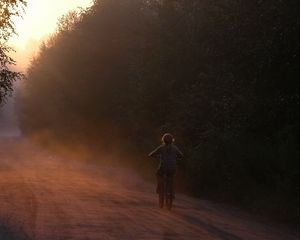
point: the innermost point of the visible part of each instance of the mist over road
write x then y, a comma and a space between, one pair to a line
8, 119
43, 197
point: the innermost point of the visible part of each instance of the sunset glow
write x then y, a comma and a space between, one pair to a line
38, 21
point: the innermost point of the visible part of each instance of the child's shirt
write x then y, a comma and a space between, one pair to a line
168, 153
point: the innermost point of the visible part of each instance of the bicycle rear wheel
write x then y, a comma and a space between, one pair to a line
161, 196
168, 193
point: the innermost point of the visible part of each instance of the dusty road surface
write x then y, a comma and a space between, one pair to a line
46, 197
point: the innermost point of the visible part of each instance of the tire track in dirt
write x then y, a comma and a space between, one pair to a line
18, 206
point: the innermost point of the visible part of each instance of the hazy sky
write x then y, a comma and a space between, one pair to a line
39, 20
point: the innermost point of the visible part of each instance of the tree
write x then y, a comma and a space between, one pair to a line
8, 10
221, 75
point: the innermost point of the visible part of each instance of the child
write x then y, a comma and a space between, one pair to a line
168, 154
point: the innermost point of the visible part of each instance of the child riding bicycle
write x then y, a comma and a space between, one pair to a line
168, 154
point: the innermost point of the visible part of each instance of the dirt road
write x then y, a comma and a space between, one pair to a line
46, 197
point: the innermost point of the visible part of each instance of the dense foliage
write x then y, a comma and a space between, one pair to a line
8, 10
221, 75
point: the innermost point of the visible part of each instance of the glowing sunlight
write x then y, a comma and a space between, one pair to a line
39, 20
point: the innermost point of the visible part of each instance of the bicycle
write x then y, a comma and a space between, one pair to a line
165, 195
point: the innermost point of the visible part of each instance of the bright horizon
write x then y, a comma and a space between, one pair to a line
37, 23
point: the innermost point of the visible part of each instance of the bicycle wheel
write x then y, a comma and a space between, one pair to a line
169, 197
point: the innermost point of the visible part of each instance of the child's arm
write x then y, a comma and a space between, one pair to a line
155, 152
179, 154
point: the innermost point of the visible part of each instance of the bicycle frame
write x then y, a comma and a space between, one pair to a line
165, 193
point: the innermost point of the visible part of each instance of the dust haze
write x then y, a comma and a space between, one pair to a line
52, 196
101, 91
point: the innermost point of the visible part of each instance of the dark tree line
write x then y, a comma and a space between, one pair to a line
221, 75
8, 10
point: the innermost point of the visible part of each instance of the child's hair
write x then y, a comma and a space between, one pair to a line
167, 138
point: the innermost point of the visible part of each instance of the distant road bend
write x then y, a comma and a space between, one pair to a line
44, 197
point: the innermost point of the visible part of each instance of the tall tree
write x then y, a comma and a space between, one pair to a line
8, 10
221, 75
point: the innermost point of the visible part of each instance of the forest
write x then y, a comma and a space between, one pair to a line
222, 76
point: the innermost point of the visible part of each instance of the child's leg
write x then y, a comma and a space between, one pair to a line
159, 180
172, 186
171, 175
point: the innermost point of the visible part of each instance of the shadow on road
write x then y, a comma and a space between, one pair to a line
168, 234
221, 234
12, 233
